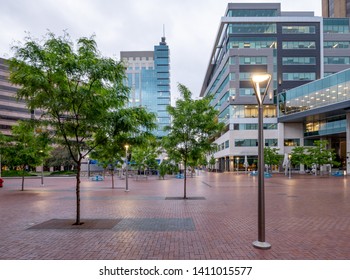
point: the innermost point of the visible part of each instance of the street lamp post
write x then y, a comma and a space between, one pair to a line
88, 163
126, 168
42, 170
256, 80
290, 166
237, 163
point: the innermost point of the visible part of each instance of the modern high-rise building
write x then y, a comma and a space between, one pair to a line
296, 48
148, 76
336, 8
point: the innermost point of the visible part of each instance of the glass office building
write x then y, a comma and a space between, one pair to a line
296, 48
148, 76
322, 107
258, 38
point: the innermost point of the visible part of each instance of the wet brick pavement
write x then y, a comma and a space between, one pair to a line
307, 217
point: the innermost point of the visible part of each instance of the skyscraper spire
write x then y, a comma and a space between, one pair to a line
163, 38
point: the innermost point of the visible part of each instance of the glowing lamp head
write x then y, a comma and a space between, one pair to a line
259, 78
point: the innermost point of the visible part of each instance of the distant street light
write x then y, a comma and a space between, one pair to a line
88, 162
42, 169
126, 168
256, 80
290, 165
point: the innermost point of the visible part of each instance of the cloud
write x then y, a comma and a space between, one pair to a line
133, 25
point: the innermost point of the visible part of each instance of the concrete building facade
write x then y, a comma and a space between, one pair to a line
336, 8
11, 109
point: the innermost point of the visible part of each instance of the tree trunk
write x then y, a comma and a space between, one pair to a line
77, 221
185, 180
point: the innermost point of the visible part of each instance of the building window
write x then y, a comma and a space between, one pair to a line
336, 60
310, 76
227, 144
246, 91
271, 142
252, 60
232, 60
254, 126
252, 13
291, 45
336, 25
336, 45
252, 28
246, 142
253, 43
291, 142
298, 29
251, 111
299, 60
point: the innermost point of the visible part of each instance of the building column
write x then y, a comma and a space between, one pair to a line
228, 164
348, 143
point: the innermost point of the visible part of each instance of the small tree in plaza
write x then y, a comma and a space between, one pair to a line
271, 156
319, 155
74, 86
60, 156
314, 156
109, 156
26, 148
144, 157
193, 129
167, 167
299, 156
212, 162
127, 126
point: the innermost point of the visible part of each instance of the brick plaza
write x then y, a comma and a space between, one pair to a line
307, 218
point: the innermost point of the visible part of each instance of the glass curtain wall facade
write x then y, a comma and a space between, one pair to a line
322, 107
148, 76
258, 38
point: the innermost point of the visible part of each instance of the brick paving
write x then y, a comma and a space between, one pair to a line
307, 218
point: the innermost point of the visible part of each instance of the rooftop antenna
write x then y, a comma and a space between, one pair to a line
163, 38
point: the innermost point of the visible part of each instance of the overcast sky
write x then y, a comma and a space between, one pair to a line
132, 25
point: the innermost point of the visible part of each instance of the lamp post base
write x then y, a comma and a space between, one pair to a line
261, 245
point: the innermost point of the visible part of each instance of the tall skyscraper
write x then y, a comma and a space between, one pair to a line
336, 8
148, 76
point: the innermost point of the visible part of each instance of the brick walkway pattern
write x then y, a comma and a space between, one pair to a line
307, 217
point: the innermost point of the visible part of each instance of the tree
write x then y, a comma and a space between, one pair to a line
109, 155
319, 154
212, 162
60, 156
299, 156
193, 129
271, 156
27, 148
144, 157
75, 88
127, 126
